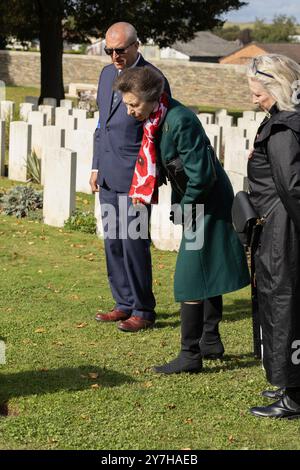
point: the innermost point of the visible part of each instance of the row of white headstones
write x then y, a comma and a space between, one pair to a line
62, 138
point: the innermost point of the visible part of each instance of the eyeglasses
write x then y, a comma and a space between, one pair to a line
118, 50
255, 71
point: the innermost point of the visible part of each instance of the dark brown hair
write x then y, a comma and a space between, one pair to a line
145, 82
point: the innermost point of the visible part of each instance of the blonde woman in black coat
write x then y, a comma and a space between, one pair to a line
274, 181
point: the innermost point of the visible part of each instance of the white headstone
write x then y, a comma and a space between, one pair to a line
25, 109
250, 115
61, 116
50, 102
81, 142
66, 104
37, 120
89, 124
52, 136
2, 91
214, 133
33, 100
206, 118
97, 214
224, 121
50, 113
59, 189
239, 182
96, 115
236, 155
7, 109
260, 116
81, 116
164, 234
19, 149
2, 147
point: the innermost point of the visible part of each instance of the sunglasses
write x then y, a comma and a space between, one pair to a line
118, 50
255, 70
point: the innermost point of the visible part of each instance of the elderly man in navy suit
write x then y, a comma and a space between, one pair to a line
117, 142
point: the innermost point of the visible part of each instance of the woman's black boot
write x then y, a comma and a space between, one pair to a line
211, 345
189, 358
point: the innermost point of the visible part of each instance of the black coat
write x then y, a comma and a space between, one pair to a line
274, 171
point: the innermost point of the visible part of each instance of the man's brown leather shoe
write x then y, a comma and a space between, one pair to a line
114, 315
134, 324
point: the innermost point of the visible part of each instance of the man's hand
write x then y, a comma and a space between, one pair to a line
93, 182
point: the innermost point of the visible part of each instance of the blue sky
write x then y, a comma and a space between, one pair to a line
266, 9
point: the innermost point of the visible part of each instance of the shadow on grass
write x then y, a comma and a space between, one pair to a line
44, 381
173, 316
234, 361
239, 309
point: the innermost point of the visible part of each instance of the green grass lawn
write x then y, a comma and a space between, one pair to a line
72, 383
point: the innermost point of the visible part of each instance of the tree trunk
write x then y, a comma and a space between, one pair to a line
51, 45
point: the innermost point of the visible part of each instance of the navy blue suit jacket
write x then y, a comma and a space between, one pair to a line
118, 140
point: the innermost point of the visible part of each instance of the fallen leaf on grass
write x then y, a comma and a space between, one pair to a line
171, 406
93, 375
40, 330
231, 438
94, 386
148, 384
81, 325
188, 421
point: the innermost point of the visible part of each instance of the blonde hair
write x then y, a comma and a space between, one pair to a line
280, 76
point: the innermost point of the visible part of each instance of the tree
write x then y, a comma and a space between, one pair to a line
279, 30
163, 20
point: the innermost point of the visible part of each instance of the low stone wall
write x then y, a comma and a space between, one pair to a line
193, 83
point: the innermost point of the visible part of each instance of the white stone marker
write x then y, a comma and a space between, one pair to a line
66, 104
50, 102
50, 113
250, 115
2, 147
52, 136
37, 120
206, 118
97, 214
81, 115
61, 116
214, 133
260, 116
25, 109
2, 91
59, 189
19, 149
89, 124
34, 100
81, 142
164, 234
7, 109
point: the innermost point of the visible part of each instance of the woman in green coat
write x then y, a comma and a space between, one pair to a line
211, 261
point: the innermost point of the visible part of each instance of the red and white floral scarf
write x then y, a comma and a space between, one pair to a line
144, 185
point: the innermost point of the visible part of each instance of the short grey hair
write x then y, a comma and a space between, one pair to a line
145, 82
280, 76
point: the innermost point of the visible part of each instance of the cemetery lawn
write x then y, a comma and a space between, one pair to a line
72, 383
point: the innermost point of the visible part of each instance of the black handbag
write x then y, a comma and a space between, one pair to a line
177, 175
244, 217
246, 222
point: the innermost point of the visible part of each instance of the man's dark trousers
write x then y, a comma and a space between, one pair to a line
128, 260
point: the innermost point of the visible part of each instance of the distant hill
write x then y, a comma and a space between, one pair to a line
228, 24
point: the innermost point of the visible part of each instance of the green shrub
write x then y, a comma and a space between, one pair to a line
82, 222
34, 168
21, 201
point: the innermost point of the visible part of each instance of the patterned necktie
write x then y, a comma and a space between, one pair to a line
116, 95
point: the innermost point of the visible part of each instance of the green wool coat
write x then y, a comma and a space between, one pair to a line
220, 266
